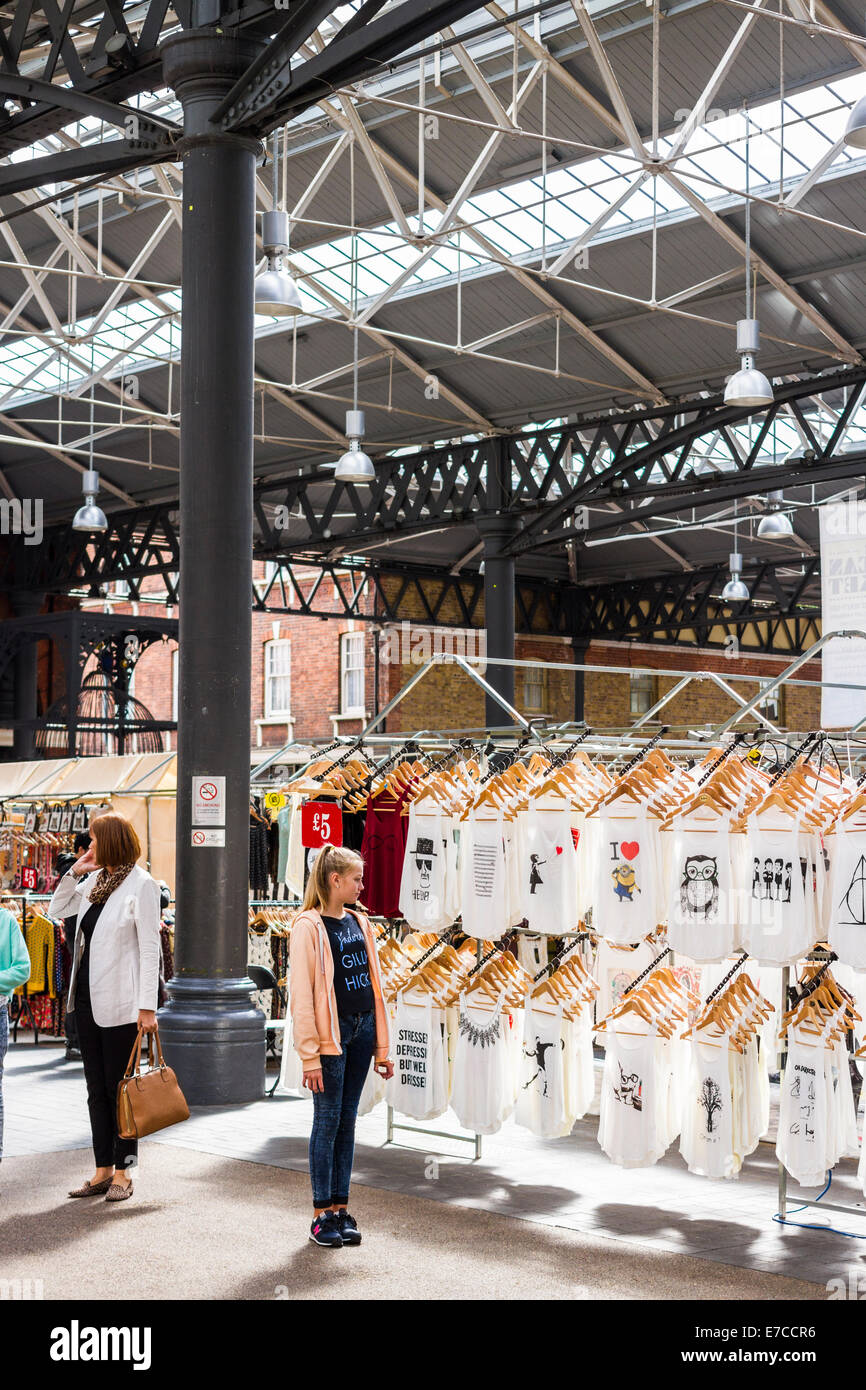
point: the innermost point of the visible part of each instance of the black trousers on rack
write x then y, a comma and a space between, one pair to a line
105, 1053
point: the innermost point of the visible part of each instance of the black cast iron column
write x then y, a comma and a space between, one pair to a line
212, 1033
496, 529
26, 681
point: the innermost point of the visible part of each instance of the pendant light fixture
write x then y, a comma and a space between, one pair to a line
735, 590
855, 130
775, 522
90, 517
355, 466
276, 293
748, 386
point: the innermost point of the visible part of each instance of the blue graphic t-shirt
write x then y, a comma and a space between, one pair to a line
351, 965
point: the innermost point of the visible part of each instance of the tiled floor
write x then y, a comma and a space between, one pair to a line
563, 1182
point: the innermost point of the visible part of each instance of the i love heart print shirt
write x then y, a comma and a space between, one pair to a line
625, 854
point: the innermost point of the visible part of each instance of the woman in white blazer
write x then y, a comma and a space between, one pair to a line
114, 982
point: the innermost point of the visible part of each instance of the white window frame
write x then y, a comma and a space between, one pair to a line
643, 683
771, 706
271, 712
346, 642
534, 678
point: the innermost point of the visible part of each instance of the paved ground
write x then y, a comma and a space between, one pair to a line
162, 1244
660, 1223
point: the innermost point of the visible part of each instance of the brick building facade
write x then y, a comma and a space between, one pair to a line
314, 677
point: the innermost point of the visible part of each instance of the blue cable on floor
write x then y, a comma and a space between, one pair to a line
813, 1226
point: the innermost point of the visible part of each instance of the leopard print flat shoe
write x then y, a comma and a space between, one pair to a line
92, 1189
119, 1192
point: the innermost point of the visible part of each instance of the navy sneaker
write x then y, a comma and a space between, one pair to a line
348, 1228
325, 1230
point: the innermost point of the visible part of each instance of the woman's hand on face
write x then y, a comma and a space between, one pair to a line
86, 864
313, 1080
147, 1020
385, 1070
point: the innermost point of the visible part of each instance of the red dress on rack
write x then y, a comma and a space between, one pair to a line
382, 850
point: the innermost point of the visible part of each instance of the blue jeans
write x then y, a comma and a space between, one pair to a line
4, 1042
332, 1142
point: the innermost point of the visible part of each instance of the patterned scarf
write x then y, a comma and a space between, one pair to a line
106, 883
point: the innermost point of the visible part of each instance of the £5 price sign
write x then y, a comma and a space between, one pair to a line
321, 824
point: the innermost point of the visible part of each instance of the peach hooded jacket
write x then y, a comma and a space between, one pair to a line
315, 1026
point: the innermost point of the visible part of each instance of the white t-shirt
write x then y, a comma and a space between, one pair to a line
847, 896
701, 906
626, 855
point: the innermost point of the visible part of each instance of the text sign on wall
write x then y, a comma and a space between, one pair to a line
843, 608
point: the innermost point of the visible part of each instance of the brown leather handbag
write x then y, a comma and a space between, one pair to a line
150, 1100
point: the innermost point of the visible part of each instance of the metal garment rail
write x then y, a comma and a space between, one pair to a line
783, 1060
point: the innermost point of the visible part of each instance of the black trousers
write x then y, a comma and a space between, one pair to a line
105, 1053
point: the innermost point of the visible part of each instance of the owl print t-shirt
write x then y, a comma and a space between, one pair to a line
701, 910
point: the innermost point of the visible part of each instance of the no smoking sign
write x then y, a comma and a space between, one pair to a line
208, 801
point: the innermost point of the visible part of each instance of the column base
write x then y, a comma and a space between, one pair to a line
214, 1038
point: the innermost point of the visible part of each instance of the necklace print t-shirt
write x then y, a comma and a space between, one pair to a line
352, 987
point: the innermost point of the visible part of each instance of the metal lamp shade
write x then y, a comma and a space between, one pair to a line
747, 387
855, 130
775, 524
355, 466
276, 294
735, 591
89, 517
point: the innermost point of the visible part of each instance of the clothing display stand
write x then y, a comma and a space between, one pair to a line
827, 957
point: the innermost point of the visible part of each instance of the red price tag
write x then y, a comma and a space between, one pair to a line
321, 824
28, 878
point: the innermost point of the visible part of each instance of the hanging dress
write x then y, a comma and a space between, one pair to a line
480, 1089
847, 904
541, 1095
419, 1086
701, 908
483, 895
548, 870
803, 1114
628, 1124
423, 881
778, 921
707, 1140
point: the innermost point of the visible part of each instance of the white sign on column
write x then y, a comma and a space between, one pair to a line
208, 800
843, 607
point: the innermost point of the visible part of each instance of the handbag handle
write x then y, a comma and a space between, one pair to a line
133, 1066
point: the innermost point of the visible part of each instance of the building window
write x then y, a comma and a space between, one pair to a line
771, 705
642, 694
533, 688
278, 678
351, 672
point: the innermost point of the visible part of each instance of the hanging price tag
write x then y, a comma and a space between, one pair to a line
275, 801
321, 824
28, 879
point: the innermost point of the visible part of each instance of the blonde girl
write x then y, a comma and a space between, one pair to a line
339, 1024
